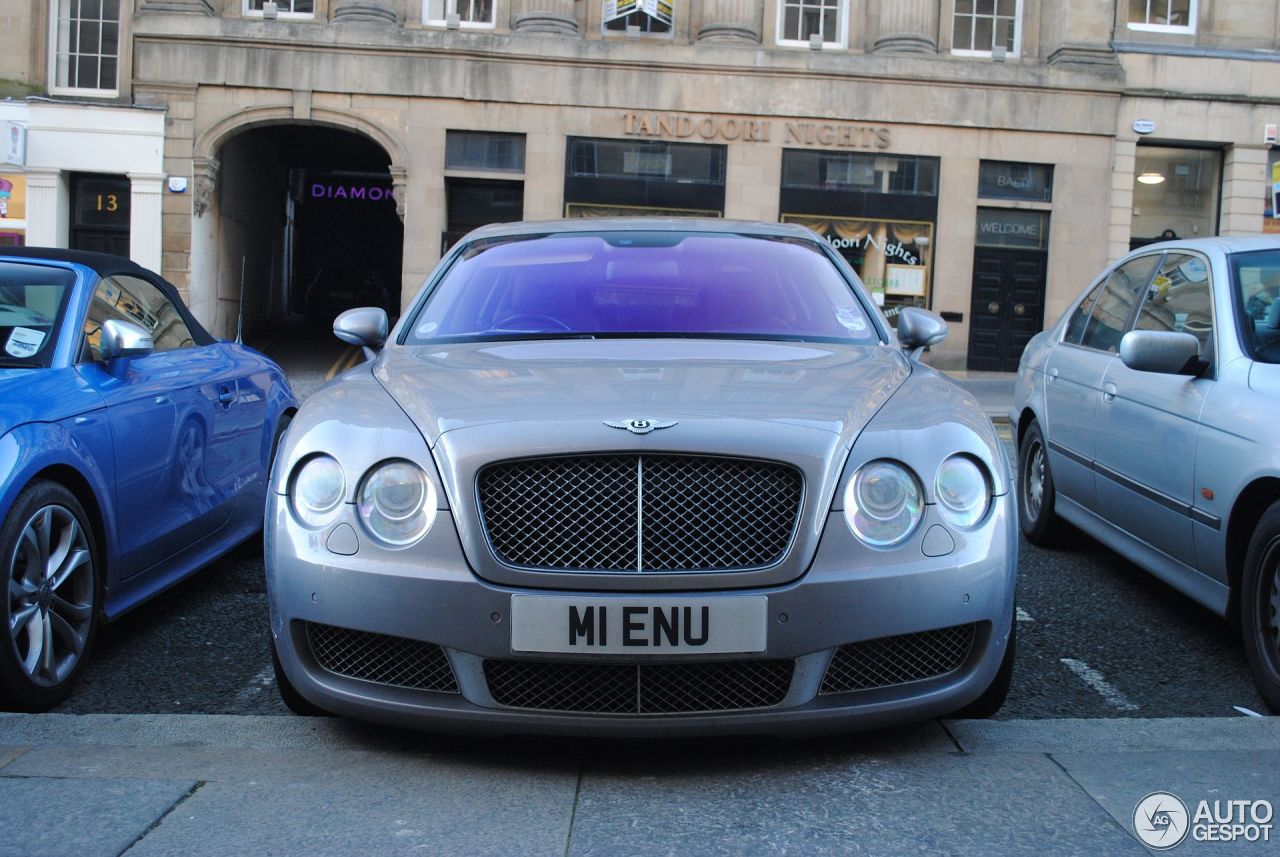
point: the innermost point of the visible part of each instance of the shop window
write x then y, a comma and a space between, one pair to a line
1177, 16
644, 17
853, 171
477, 14
284, 8
1176, 193
477, 150
85, 52
981, 27
617, 177
801, 20
13, 209
1271, 194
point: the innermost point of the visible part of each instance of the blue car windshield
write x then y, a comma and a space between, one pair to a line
643, 284
32, 299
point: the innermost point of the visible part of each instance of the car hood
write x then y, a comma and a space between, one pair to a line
829, 388
42, 395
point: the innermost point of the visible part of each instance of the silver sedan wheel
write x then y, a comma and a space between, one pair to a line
1033, 484
51, 588
1271, 623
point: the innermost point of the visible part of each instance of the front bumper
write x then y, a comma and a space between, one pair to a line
849, 594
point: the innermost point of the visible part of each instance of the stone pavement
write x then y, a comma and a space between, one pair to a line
210, 785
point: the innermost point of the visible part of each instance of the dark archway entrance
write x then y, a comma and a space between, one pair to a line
308, 222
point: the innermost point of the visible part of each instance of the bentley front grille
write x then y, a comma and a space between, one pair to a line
382, 659
891, 661
669, 688
640, 512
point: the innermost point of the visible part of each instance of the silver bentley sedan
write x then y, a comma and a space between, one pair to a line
642, 477
1147, 418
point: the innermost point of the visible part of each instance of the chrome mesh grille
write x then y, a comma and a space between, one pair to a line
640, 512
671, 688
890, 661
379, 658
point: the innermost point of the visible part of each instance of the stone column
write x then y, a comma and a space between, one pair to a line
1124, 163
180, 7
44, 191
144, 219
544, 16
735, 22
1078, 32
908, 27
1244, 181
365, 12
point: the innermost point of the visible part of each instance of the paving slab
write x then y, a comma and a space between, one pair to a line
430, 811
1117, 735
1119, 781
8, 754
82, 818
920, 804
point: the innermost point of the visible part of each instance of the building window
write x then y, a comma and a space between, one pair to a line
86, 46
649, 177
284, 8
979, 27
800, 20
647, 17
1178, 16
477, 14
478, 150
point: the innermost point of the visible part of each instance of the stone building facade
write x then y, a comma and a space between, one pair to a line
985, 158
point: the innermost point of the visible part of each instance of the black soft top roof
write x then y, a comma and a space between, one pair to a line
106, 265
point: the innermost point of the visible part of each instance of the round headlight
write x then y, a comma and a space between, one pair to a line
883, 503
397, 502
963, 491
317, 490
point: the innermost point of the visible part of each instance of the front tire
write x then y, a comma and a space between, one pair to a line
1260, 607
1036, 494
53, 597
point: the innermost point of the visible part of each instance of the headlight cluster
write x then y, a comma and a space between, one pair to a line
883, 502
396, 501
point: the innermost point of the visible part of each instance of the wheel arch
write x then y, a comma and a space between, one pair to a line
1025, 419
1250, 505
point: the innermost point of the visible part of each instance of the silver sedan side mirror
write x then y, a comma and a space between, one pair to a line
1165, 351
919, 328
365, 326
124, 339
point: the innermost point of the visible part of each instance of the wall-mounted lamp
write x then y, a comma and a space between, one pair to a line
1151, 178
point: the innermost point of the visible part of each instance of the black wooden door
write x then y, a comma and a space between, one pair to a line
1007, 308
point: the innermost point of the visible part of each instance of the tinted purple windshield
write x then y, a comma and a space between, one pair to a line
643, 283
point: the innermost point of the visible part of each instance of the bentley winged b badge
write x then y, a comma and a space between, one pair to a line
640, 425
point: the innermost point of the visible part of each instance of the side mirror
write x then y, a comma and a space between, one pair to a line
124, 339
365, 326
919, 328
1164, 351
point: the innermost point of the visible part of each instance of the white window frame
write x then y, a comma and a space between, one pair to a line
842, 24
448, 7
248, 12
54, 54
1193, 12
1017, 35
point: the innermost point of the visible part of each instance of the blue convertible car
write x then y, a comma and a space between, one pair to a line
134, 448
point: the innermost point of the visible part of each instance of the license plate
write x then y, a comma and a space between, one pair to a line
629, 626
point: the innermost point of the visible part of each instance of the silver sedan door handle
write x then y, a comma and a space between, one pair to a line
1108, 392
1053, 374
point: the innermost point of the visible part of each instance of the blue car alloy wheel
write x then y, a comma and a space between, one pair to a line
53, 597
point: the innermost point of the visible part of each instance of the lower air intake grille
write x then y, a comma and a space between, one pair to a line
889, 661
378, 658
639, 688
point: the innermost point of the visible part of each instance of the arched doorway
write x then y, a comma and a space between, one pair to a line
304, 225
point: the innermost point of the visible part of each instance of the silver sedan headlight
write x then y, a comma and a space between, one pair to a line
397, 502
963, 490
883, 503
316, 490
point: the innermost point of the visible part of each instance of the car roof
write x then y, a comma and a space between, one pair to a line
1221, 243
641, 224
104, 264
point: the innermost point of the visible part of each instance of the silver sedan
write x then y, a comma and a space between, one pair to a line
642, 477
1147, 418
